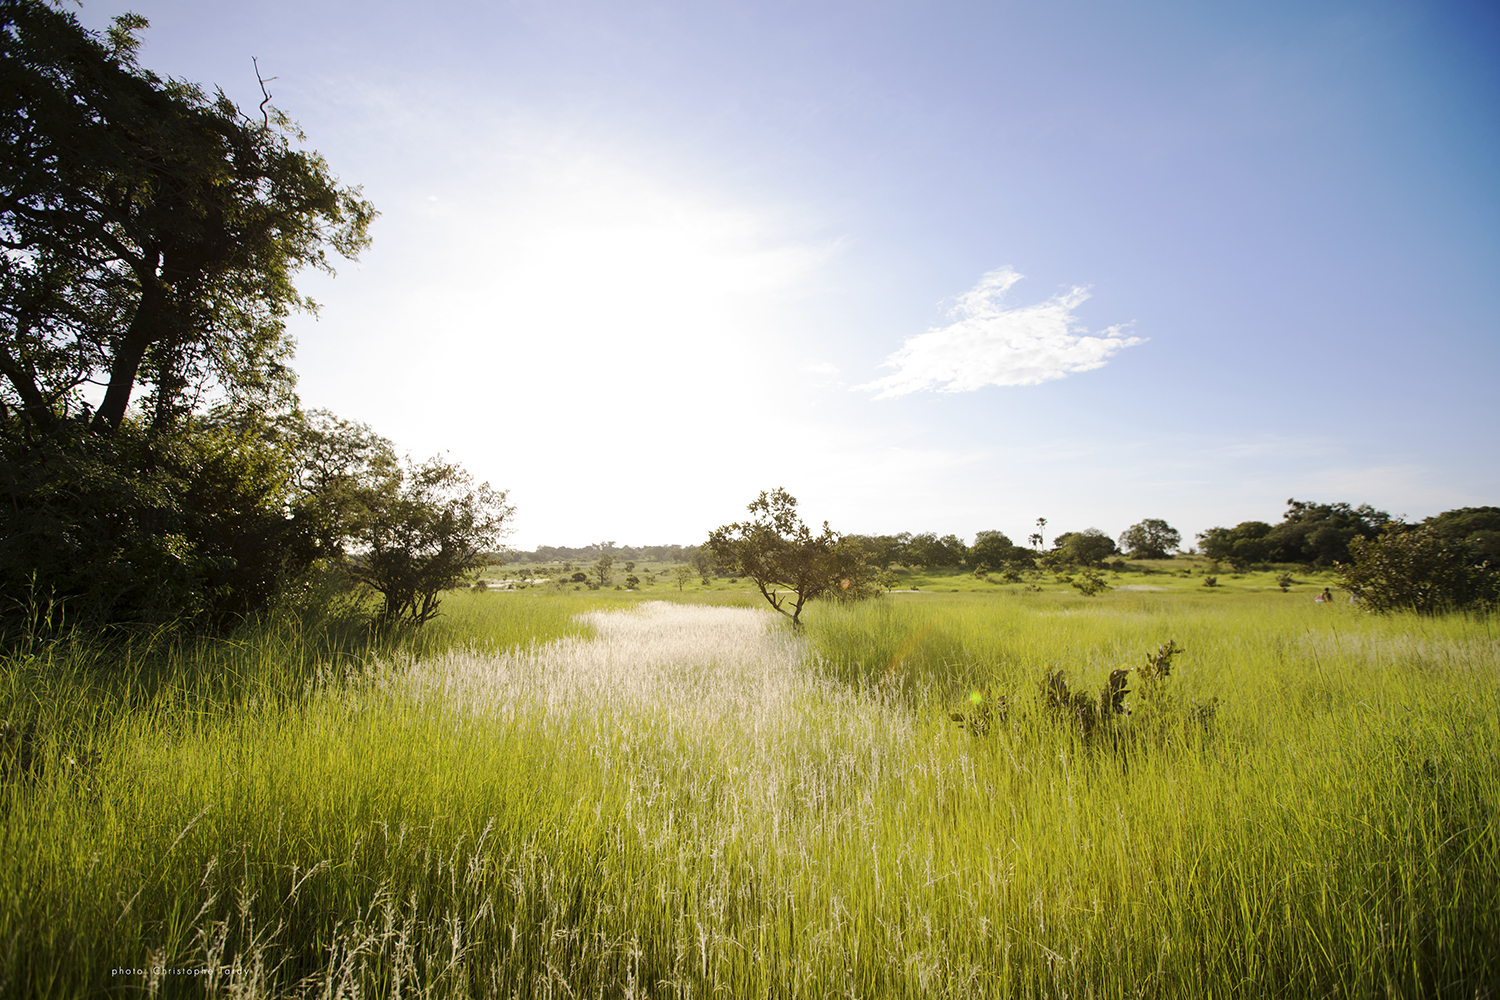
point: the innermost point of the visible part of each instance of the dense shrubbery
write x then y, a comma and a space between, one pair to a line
200, 525
211, 522
1446, 563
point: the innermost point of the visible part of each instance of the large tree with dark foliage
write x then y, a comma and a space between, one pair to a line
151, 231
1152, 538
150, 234
994, 551
1089, 547
1315, 534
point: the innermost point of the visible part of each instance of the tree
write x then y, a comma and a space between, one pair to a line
605, 562
993, 551
1240, 546
1476, 528
1088, 547
702, 561
194, 529
423, 535
1152, 538
883, 550
788, 563
1310, 533
1320, 533
151, 232
1420, 568
683, 575
928, 551
342, 469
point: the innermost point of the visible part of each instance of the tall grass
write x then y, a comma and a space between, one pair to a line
684, 801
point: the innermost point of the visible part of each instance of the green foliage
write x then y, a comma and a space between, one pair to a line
788, 563
992, 551
340, 469
195, 527
604, 565
422, 533
883, 551
1422, 569
1478, 528
1089, 547
1152, 538
1090, 583
151, 231
1310, 533
928, 551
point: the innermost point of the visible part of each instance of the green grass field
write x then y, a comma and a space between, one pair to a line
696, 802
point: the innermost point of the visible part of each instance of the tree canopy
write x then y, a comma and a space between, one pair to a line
1088, 547
1152, 538
993, 550
787, 562
422, 531
151, 231
1310, 533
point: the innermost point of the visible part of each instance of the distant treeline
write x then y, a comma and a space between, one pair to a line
588, 553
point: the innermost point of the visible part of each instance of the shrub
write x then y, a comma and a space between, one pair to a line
200, 526
1092, 584
1420, 569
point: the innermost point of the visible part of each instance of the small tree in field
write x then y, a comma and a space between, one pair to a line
683, 575
1153, 538
789, 564
606, 562
422, 532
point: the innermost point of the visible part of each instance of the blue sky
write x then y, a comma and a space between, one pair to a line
929, 266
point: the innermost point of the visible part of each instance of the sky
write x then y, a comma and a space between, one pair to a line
929, 266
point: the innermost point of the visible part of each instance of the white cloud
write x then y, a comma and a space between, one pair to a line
991, 344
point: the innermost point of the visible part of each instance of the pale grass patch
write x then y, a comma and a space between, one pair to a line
687, 702
698, 664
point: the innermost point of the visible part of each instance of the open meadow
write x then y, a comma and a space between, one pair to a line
609, 794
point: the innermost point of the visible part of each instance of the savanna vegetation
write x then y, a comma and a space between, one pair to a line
280, 718
1137, 794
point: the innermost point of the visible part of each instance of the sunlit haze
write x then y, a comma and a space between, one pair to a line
929, 266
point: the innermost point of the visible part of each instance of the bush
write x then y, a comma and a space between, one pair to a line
1092, 584
1420, 569
422, 532
200, 526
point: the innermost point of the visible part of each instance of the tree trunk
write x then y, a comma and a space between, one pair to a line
33, 404
145, 328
